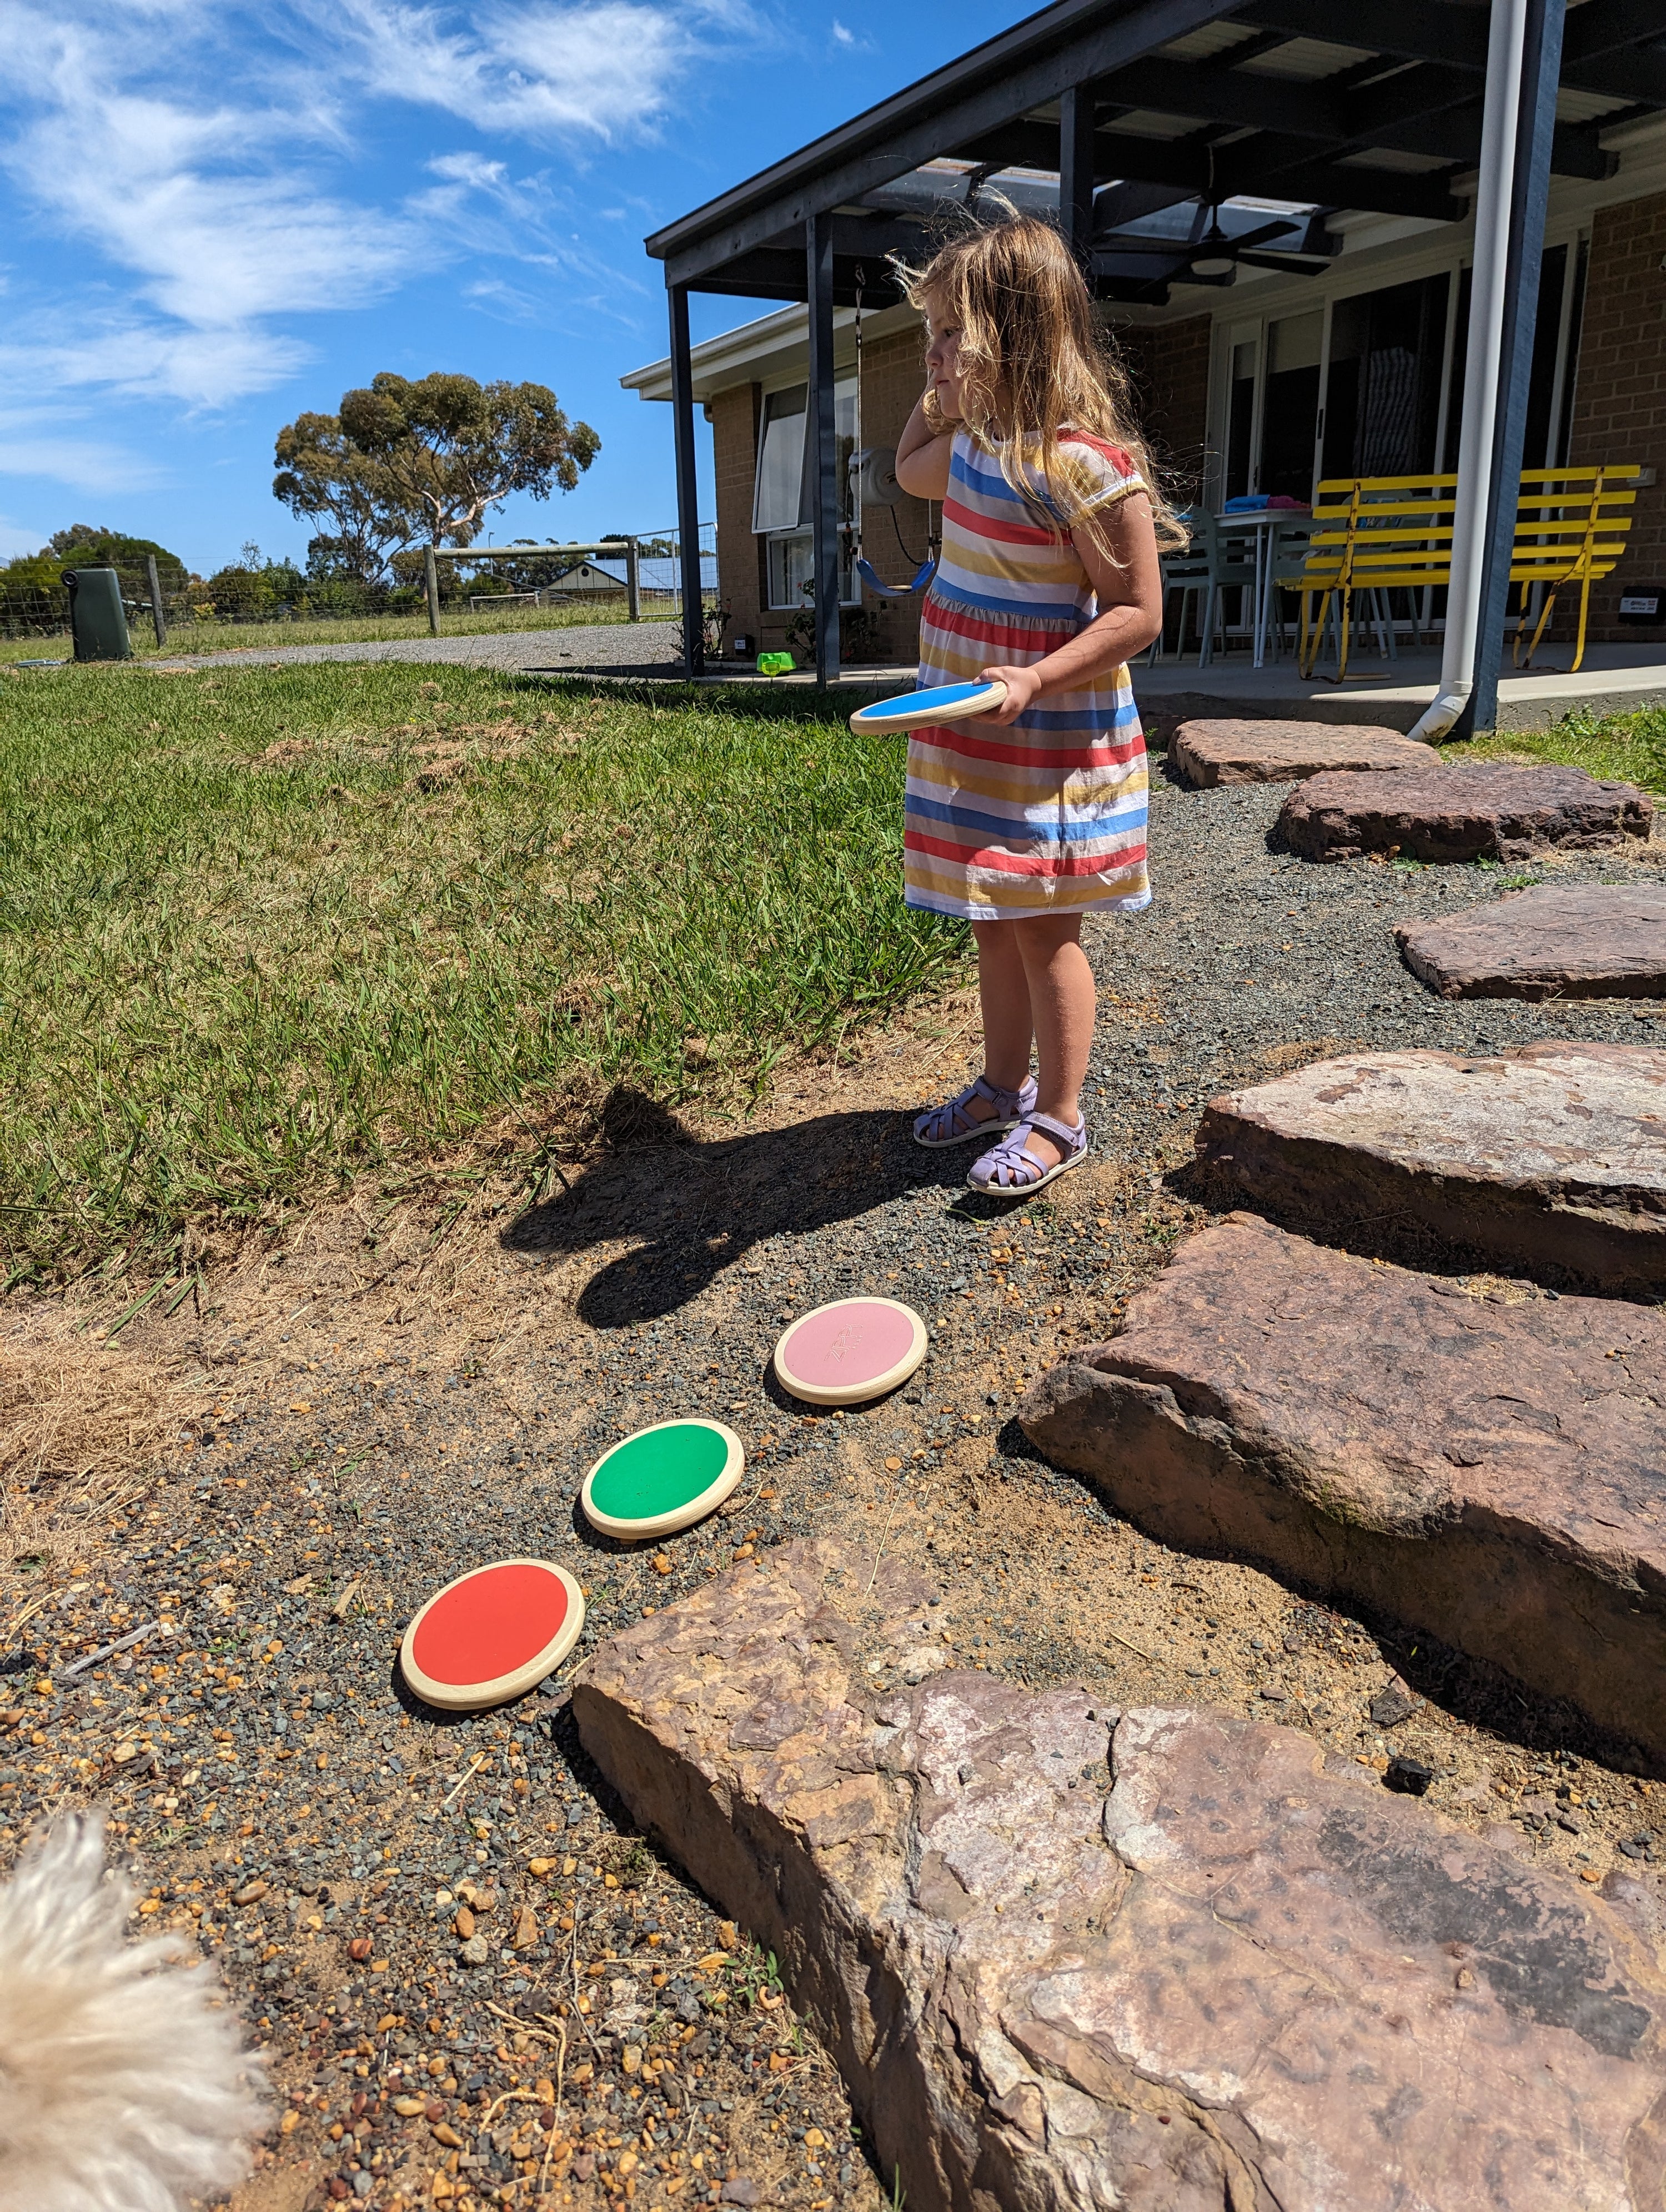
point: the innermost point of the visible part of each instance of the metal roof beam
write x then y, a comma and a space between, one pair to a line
1441, 116
1603, 26
1228, 95
1066, 46
1453, 136
1407, 31
777, 272
1614, 55
1240, 168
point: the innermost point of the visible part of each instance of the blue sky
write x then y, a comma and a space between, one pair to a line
214, 218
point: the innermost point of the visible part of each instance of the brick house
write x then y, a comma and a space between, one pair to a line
1280, 230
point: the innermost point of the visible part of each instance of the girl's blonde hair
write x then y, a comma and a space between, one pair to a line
1030, 353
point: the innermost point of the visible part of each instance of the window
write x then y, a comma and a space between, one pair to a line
779, 488
1383, 388
1241, 418
1289, 405
782, 495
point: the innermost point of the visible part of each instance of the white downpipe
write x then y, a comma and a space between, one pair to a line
1494, 194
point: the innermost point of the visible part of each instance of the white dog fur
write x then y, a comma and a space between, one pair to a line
123, 2085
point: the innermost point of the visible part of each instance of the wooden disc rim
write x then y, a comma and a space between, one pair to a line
498, 1689
921, 712
694, 1508
852, 1394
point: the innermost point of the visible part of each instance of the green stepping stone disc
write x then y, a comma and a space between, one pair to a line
663, 1479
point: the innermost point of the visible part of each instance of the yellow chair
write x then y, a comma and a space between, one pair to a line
1571, 527
1373, 534
1382, 533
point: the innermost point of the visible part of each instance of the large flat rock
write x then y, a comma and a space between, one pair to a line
1210, 753
1559, 941
1551, 1158
1492, 810
1164, 1961
1493, 1474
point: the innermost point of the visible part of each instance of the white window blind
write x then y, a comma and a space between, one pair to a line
778, 488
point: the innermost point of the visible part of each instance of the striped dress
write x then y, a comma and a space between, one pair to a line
1047, 815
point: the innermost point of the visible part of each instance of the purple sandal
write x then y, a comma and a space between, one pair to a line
1009, 1171
951, 1124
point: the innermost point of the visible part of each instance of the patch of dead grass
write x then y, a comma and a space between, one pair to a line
82, 1424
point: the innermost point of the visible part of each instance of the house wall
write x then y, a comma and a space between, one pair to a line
891, 382
1168, 365
735, 415
893, 377
1620, 399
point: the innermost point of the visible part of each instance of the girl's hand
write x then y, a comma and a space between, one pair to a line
1022, 689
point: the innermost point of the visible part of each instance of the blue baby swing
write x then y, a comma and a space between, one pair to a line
874, 473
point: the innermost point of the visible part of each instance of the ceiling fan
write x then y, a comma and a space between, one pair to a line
1216, 255
1214, 259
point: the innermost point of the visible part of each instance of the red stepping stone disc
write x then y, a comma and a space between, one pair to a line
852, 1350
492, 1634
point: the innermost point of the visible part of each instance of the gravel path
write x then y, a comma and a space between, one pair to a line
397, 1394
645, 649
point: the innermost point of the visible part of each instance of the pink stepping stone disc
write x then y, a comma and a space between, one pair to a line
492, 1634
855, 1349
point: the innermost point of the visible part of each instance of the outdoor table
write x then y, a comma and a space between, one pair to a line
1259, 521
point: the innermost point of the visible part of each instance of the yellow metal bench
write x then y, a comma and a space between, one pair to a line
1386, 533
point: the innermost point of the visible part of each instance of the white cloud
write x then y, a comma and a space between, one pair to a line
84, 464
212, 167
606, 71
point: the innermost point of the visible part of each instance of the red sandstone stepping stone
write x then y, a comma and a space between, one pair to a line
1560, 941
1553, 1157
1488, 1471
1492, 810
1210, 753
1161, 1959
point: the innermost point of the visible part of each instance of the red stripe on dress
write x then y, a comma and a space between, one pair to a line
1016, 864
987, 629
1119, 457
944, 738
988, 526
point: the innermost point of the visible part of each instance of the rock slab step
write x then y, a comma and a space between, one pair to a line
1491, 1474
1207, 754
1493, 811
1163, 1960
1558, 941
1551, 1159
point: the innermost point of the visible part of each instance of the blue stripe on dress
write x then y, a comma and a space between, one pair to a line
1126, 813
1063, 615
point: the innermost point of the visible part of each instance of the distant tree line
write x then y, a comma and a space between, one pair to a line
402, 464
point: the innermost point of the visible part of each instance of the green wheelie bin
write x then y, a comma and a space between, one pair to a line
97, 621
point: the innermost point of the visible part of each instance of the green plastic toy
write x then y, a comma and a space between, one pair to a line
775, 664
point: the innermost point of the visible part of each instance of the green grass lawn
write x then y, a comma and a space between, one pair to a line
186, 638
261, 931
1627, 748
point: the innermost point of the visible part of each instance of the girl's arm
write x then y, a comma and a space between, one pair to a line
1120, 559
923, 456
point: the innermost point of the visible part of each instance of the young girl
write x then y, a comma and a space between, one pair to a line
1027, 818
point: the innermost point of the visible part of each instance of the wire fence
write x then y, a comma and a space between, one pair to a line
501, 587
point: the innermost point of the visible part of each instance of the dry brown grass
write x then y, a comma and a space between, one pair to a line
81, 1426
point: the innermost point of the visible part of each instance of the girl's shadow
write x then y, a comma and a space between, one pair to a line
693, 1208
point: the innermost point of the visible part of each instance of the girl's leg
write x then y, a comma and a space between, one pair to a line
1003, 991
1059, 999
